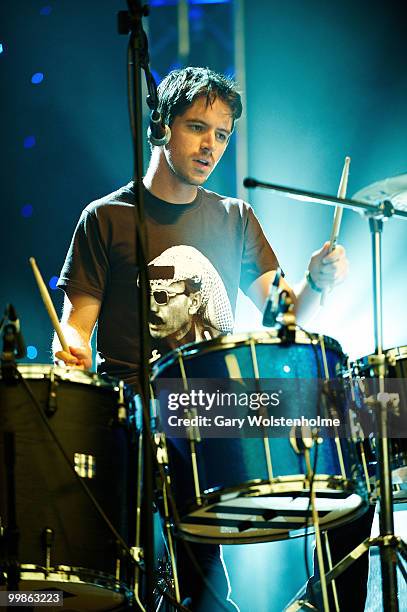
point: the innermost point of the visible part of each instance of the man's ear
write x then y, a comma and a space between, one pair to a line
195, 301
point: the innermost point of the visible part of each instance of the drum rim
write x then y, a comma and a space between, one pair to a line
394, 353
42, 371
326, 481
227, 341
84, 576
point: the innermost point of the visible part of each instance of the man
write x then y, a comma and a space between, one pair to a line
99, 276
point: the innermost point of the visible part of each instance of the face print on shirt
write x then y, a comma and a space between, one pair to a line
188, 300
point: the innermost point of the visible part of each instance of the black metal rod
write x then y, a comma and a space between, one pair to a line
137, 57
320, 198
388, 556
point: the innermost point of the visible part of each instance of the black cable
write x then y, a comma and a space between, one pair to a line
314, 465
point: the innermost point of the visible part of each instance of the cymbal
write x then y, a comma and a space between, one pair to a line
393, 189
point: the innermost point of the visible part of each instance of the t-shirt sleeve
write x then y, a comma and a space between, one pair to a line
258, 256
86, 263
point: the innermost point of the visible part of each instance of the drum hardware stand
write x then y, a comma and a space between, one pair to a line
389, 544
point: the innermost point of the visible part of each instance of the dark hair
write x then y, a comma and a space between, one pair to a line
180, 88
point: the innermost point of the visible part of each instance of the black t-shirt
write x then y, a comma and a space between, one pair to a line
199, 255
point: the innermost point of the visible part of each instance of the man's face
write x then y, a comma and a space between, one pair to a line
199, 138
171, 310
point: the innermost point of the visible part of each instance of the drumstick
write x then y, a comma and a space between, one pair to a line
343, 185
49, 305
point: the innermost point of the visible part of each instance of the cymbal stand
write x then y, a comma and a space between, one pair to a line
390, 545
387, 538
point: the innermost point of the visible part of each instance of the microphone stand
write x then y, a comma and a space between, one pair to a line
130, 22
389, 544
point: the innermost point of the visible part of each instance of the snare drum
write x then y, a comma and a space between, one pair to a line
63, 542
243, 490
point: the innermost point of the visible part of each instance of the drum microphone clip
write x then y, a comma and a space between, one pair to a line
13, 344
279, 310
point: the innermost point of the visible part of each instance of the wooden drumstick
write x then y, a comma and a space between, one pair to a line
49, 305
343, 185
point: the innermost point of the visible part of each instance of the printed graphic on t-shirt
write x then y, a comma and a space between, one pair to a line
188, 303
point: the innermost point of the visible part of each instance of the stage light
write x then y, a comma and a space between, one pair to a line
1, 48
37, 78
29, 142
32, 352
46, 10
53, 282
26, 211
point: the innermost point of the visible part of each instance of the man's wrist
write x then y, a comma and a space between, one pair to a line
312, 283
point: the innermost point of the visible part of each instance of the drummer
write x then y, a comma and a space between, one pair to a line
203, 247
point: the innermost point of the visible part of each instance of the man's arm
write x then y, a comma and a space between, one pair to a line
79, 316
326, 270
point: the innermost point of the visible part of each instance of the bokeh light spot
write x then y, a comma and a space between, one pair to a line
196, 13
53, 282
1, 48
37, 78
31, 352
29, 142
27, 211
46, 10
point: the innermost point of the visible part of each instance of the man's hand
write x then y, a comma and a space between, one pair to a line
78, 357
328, 269
78, 320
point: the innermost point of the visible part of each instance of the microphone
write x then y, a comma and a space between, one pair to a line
271, 307
158, 133
15, 322
250, 182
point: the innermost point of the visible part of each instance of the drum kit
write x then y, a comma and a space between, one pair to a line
70, 448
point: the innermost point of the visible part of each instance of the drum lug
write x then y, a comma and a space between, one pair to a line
162, 455
52, 404
137, 553
47, 540
377, 363
301, 438
121, 404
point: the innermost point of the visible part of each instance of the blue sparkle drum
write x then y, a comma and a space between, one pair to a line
240, 489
